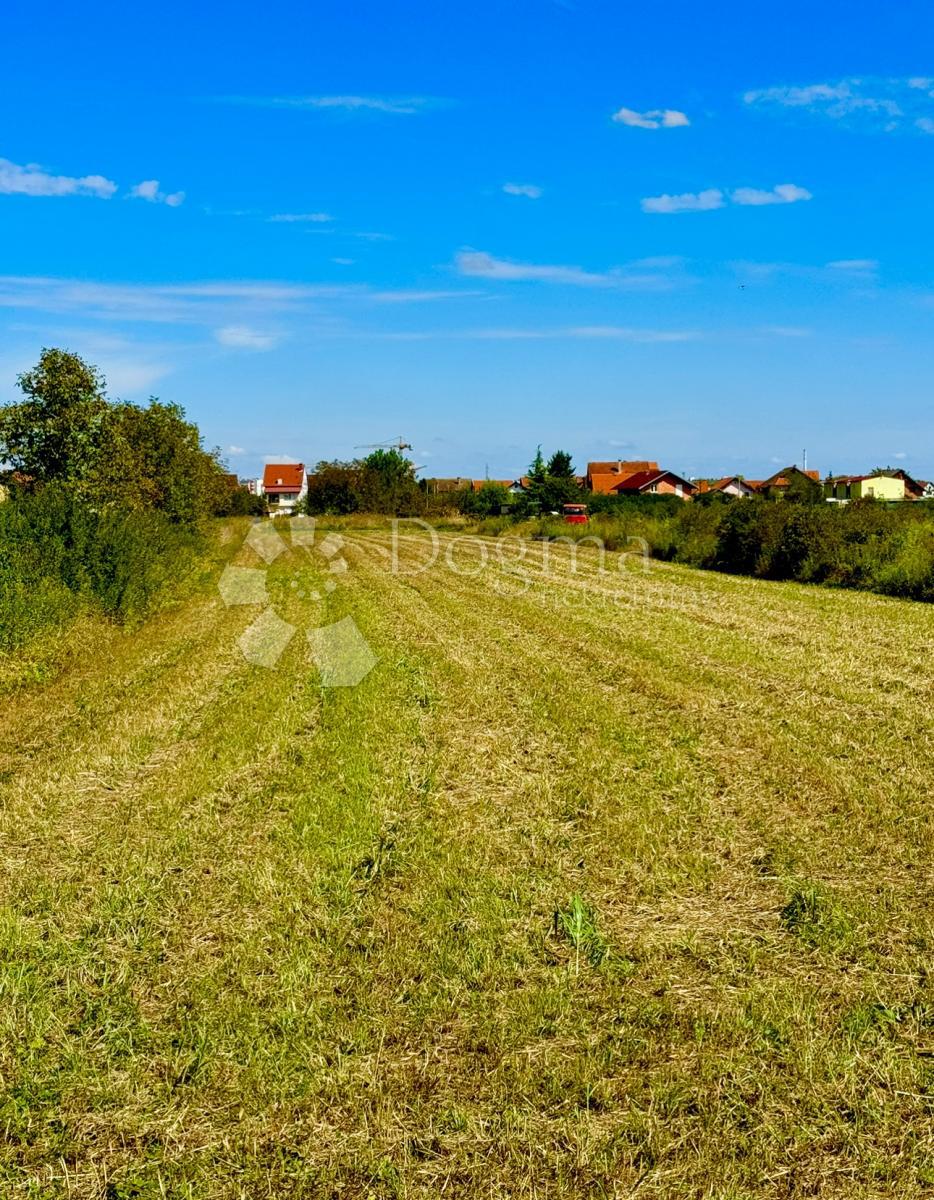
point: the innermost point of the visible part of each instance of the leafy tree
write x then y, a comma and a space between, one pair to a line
65, 432
153, 457
560, 465
804, 490
53, 434
489, 501
388, 484
334, 488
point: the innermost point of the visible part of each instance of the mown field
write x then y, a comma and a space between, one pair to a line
601, 883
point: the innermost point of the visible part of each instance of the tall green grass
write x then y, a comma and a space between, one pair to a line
59, 558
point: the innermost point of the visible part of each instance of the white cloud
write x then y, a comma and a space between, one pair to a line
685, 202
482, 265
782, 193
788, 331
31, 180
801, 97
343, 262
403, 106
225, 304
394, 105
301, 218
860, 265
900, 454
656, 118
148, 190
712, 198
279, 458
236, 450
479, 264
619, 333
242, 337
874, 104
531, 190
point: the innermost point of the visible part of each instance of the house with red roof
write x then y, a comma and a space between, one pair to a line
729, 485
284, 485
602, 477
655, 483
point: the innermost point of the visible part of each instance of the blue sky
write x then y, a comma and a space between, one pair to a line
670, 231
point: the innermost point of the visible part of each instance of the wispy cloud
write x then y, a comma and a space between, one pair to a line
482, 265
655, 118
713, 198
871, 103
32, 180
392, 105
242, 337
782, 193
316, 218
705, 201
855, 266
149, 190
236, 451
218, 304
786, 331
530, 190
618, 333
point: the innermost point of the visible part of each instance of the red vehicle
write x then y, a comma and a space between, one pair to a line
575, 514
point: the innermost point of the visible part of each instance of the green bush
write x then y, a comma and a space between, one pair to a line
58, 557
880, 547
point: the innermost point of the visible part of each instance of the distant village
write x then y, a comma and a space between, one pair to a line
285, 485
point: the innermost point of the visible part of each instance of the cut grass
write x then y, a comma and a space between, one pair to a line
604, 885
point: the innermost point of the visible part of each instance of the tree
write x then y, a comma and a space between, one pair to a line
489, 501
153, 457
549, 490
560, 465
53, 434
334, 488
804, 490
388, 484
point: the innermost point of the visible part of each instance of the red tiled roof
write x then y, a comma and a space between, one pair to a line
604, 484
641, 480
621, 467
283, 477
477, 484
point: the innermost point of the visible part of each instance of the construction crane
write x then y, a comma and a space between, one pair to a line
399, 444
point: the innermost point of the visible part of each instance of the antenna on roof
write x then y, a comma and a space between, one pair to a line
805, 467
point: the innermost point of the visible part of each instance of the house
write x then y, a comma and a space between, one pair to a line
915, 489
655, 483
446, 487
781, 480
841, 488
602, 477
284, 484
477, 485
730, 485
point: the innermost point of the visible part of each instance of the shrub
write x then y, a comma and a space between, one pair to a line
57, 557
